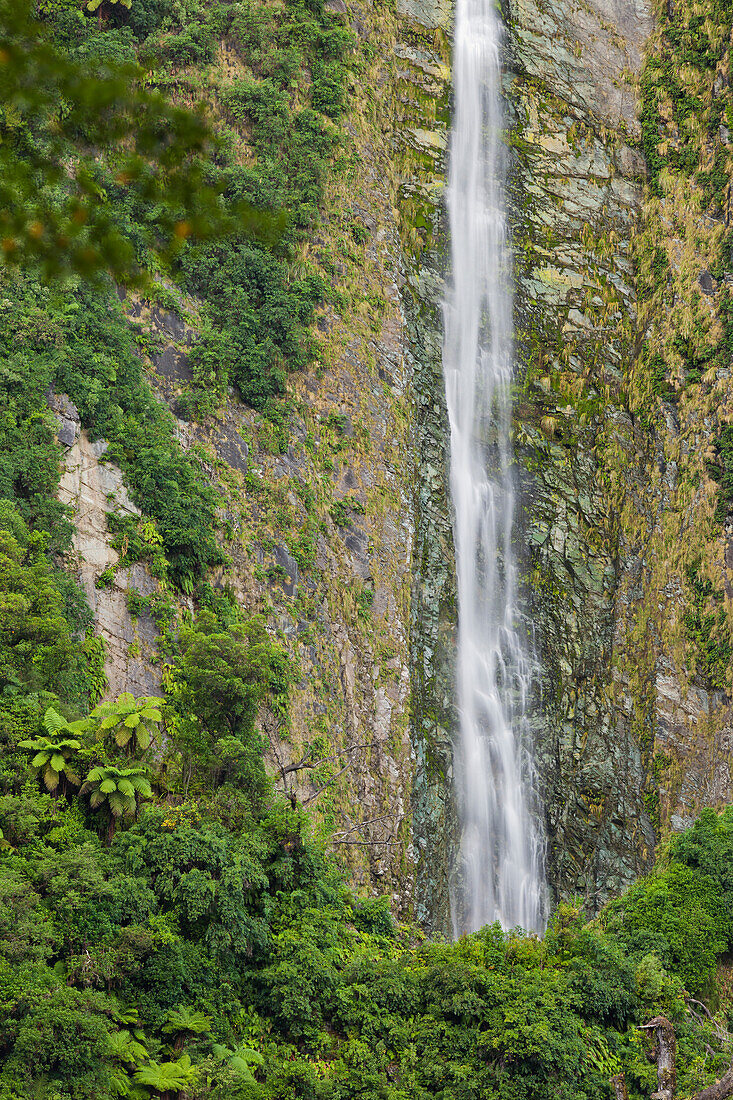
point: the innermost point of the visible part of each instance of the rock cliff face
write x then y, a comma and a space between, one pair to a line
673, 621
621, 205
90, 487
317, 511
338, 522
576, 194
423, 56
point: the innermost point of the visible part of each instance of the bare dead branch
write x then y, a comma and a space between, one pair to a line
325, 786
721, 1032
363, 843
286, 769
305, 763
360, 825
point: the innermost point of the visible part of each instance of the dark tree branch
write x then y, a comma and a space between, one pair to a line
364, 843
306, 763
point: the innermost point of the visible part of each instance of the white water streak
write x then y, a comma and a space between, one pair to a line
500, 876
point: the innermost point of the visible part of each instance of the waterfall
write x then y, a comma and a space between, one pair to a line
500, 872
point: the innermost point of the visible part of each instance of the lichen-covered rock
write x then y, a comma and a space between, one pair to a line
575, 194
423, 53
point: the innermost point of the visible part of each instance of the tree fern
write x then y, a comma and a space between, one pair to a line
131, 722
52, 760
167, 1076
119, 788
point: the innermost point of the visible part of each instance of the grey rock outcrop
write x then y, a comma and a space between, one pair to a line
92, 488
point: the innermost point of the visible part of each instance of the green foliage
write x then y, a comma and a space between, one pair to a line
218, 683
92, 5
721, 470
212, 920
707, 631
285, 107
60, 1042
682, 913
53, 760
240, 1060
131, 722
260, 317
186, 1021
57, 200
38, 649
80, 341
119, 788
167, 1076
247, 951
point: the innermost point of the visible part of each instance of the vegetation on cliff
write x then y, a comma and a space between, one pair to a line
679, 383
169, 925
203, 944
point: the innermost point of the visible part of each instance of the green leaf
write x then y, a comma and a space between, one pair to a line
141, 785
51, 778
143, 737
119, 805
107, 786
53, 721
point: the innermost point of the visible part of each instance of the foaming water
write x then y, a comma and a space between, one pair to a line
500, 873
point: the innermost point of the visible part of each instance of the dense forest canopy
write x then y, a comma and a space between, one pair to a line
170, 924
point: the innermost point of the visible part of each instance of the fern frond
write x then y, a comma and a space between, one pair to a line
51, 778
121, 806
53, 721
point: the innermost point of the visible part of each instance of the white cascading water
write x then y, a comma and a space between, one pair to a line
500, 873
